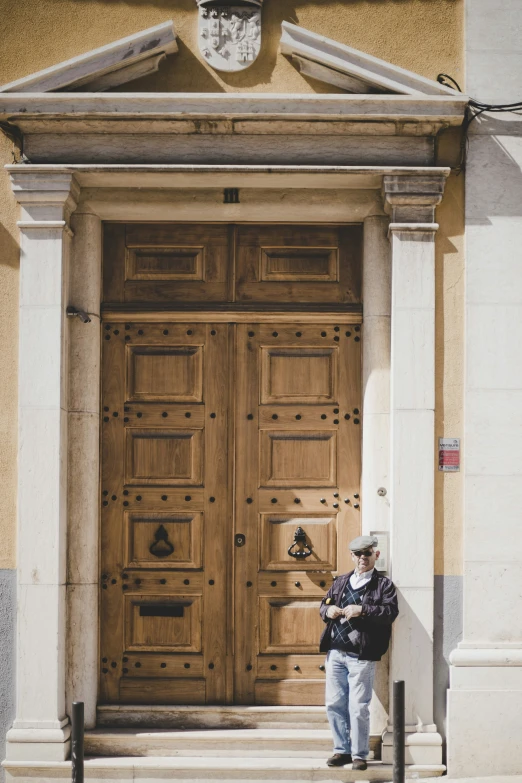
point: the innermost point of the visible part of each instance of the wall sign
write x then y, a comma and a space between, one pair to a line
449, 455
229, 35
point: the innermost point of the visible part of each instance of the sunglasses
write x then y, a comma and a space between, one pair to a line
362, 553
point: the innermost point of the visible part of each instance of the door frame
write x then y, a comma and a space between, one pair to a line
61, 223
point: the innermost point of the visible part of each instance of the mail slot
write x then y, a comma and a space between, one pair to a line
162, 610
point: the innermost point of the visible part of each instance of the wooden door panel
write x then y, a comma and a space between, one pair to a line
155, 624
143, 690
174, 538
168, 457
277, 536
297, 475
291, 667
169, 374
298, 417
291, 692
165, 513
299, 264
166, 262
297, 459
156, 666
298, 375
295, 583
289, 625
155, 415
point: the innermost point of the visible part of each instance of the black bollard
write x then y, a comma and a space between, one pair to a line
398, 731
77, 742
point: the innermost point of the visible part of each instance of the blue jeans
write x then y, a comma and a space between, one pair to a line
349, 684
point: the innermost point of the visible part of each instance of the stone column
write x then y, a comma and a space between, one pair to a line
41, 731
84, 465
411, 202
376, 374
376, 414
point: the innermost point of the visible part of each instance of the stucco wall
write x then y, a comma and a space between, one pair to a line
422, 35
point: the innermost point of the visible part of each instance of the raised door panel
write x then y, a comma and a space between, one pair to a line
165, 513
298, 375
166, 457
172, 538
320, 264
297, 478
290, 458
277, 539
168, 374
166, 262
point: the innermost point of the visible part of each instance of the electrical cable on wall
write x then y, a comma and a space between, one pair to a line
474, 109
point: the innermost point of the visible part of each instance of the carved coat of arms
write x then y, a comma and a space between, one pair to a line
229, 35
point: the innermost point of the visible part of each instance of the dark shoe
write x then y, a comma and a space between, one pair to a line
359, 764
339, 760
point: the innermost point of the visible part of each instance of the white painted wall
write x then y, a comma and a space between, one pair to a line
486, 675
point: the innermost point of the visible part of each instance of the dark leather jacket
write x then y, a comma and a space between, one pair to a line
379, 611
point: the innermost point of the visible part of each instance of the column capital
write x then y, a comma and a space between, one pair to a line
411, 200
47, 198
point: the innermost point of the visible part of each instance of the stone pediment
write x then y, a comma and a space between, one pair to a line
109, 66
352, 70
68, 114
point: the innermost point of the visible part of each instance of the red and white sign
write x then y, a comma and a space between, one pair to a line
449, 454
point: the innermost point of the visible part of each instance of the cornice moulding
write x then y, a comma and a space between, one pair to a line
105, 67
21, 107
328, 60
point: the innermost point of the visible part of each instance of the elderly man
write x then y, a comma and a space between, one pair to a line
358, 610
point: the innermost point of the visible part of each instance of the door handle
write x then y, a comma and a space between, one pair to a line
240, 539
300, 540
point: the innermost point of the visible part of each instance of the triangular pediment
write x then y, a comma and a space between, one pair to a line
354, 71
100, 69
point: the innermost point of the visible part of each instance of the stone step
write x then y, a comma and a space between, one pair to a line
184, 769
210, 717
289, 743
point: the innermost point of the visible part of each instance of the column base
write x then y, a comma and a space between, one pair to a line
38, 744
421, 748
484, 711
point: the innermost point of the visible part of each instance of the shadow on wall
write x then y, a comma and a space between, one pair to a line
493, 173
9, 249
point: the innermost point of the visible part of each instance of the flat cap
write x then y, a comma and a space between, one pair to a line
363, 542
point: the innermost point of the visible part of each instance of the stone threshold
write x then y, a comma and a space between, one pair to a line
211, 717
239, 770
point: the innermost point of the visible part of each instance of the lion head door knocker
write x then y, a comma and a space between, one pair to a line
161, 546
304, 549
229, 35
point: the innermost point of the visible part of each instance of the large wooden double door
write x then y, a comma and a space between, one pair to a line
230, 480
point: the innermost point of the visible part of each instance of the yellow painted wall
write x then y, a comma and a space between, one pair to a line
422, 35
449, 360
425, 36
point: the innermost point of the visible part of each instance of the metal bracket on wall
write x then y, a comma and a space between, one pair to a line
73, 312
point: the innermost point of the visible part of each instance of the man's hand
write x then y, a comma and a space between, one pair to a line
333, 612
354, 610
